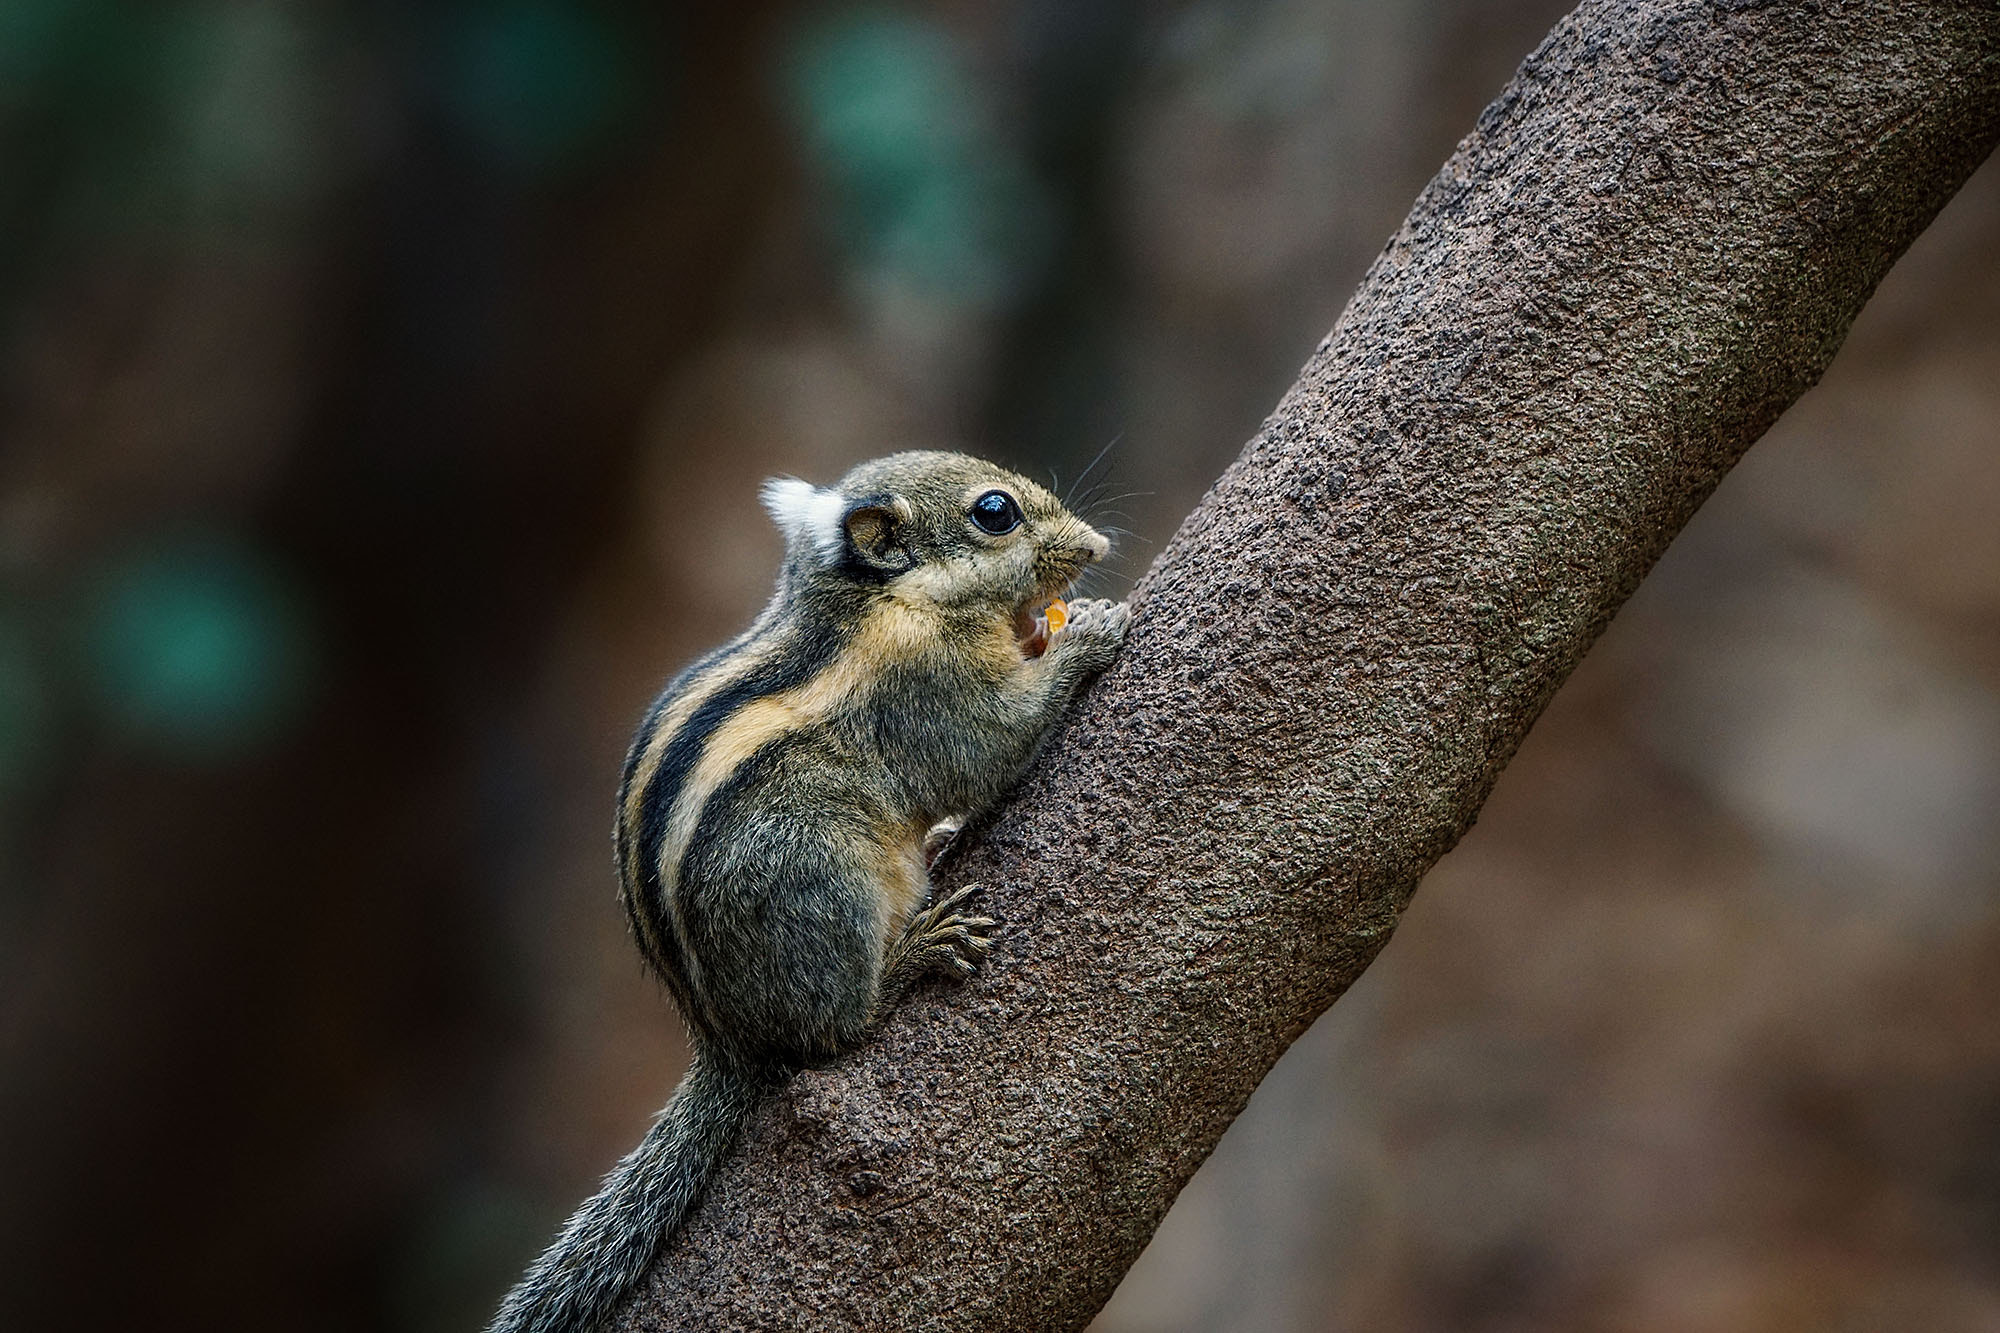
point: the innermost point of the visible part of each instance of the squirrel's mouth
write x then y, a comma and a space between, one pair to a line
1033, 627
1043, 613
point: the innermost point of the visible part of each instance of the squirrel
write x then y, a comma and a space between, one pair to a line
785, 795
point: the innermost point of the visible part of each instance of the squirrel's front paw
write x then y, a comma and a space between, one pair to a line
1096, 628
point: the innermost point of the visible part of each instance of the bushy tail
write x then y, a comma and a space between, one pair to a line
606, 1247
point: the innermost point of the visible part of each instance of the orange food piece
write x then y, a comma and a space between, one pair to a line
1057, 615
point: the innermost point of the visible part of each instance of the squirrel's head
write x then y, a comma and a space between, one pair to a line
940, 528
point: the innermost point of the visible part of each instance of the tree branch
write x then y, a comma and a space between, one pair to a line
1653, 243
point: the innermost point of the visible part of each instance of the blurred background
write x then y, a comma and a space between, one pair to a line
383, 390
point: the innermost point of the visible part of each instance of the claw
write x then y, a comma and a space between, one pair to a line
940, 939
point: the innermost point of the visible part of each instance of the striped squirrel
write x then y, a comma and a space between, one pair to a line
781, 798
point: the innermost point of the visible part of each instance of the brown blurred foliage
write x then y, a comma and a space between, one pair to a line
383, 391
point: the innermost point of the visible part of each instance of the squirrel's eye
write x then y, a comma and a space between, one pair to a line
996, 514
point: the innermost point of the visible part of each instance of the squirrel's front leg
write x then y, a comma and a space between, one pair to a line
940, 939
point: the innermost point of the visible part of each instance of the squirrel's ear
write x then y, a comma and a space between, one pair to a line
875, 528
806, 513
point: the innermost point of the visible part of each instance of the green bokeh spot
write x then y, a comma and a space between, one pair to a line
241, 87
882, 102
198, 649
34, 35
536, 85
926, 192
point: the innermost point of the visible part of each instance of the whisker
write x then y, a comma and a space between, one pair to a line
1084, 476
1098, 581
1102, 454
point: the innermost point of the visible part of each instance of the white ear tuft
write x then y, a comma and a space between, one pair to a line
805, 512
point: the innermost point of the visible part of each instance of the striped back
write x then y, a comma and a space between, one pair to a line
787, 675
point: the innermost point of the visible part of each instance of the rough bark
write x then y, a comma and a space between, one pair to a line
1653, 242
